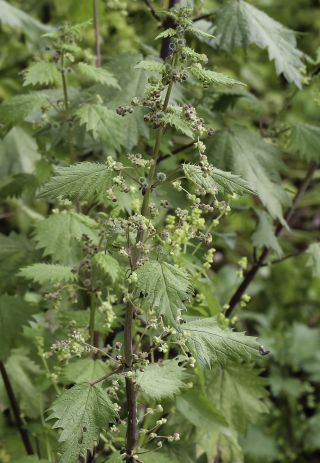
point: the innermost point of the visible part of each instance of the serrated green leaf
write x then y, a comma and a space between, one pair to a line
208, 77
148, 65
98, 75
15, 251
217, 180
161, 380
48, 273
305, 141
14, 313
240, 24
107, 265
213, 436
23, 373
41, 73
59, 235
84, 181
103, 124
81, 413
314, 258
164, 288
132, 84
83, 371
239, 394
18, 108
18, 153
166, 33
18, 19
264, 234
200, 33
179, 124
246, 154
211, 344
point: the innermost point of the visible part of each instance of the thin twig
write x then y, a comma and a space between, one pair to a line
111, 373
251, 273
152, 10
16, 410
97, 33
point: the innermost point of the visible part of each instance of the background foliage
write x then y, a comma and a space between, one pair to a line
266, 133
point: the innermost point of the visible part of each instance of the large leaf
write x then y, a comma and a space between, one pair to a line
59, 235
103, 124
216, 180
241, 24
213, 435
18, 153
81, 413
238, 392
164, 287
83, 370
210, 343
248, 155
133, 84
15, 251
14, 313
99, 75
82, 181
41, 73
18, 19
48, 273
160, 380
305, 141
19, 107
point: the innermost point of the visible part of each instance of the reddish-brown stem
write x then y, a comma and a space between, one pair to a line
251, 273
97, 33
16, 410
164, 52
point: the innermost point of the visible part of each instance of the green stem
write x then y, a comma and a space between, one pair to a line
131, 439
92, 321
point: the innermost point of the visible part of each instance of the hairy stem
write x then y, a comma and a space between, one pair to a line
251, 273
97, 33
16, 410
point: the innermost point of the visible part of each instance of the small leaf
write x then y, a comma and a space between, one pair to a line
84, 181
98, 75
264, 234
164, 288
41, 73
212, 344
59, 235
305, 141
148, 65
179, 124
108, 265
208, 77
166, 33
160, 380
81, 413
216, 180
48, 273
102, 123
200, 33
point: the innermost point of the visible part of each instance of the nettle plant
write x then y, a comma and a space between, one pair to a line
116, 298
